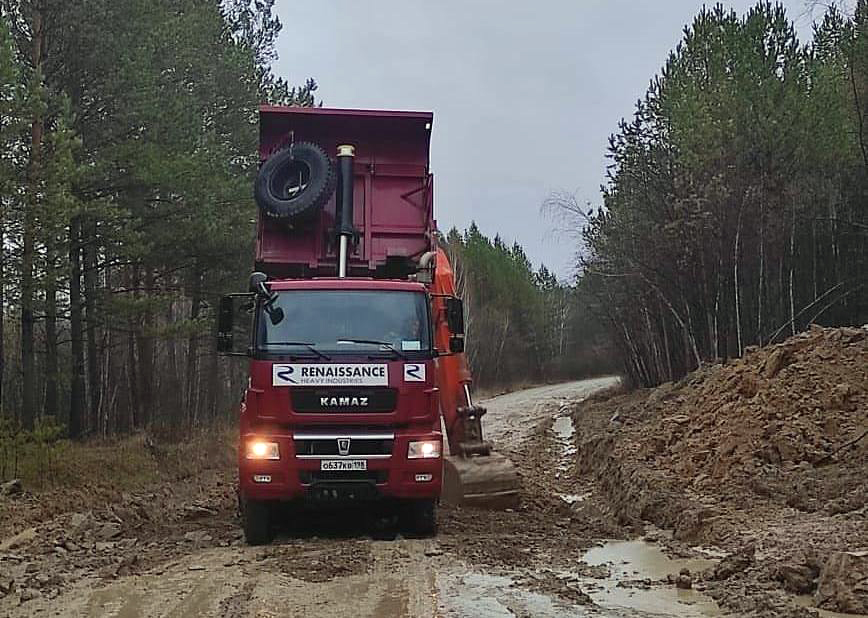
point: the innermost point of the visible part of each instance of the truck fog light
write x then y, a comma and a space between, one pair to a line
259, 449
424, 478
261, 478
429, 449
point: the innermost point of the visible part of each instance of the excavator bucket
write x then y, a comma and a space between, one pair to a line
482, 481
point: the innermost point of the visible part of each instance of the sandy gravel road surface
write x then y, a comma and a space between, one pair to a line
177, 551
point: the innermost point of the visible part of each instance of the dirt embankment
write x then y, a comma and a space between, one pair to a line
765, 457
112, 509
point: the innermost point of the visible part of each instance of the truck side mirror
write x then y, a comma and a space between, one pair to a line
259, 287
455, 316
257, 283
227, 325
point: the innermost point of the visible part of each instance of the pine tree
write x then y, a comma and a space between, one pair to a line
733, 194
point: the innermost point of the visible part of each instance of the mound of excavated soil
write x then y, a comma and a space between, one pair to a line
788, 408
770, 450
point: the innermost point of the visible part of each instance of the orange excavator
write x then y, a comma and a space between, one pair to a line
473, 474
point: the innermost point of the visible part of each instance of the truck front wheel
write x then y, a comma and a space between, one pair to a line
256, 518
418, 518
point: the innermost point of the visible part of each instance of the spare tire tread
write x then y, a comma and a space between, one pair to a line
306, 203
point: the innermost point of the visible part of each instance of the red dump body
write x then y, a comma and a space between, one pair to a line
393, 194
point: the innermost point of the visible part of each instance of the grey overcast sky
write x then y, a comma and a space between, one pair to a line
524, 94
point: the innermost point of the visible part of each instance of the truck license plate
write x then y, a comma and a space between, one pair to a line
348, 465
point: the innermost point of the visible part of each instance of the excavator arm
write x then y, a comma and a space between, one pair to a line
453, 374
474, 475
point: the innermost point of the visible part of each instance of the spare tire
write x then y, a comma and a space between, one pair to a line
294, 183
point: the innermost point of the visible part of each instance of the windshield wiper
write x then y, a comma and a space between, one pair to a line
306, 344
385, 344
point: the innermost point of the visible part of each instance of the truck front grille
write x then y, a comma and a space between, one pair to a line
314, 446
308, 477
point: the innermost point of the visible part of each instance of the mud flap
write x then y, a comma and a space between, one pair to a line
485, 481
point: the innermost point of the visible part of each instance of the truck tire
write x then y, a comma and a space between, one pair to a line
418, 518
256, 518
294, 183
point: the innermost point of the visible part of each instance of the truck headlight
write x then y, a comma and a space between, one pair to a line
428, 449
260, 449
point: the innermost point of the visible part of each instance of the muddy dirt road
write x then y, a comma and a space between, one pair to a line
177, 551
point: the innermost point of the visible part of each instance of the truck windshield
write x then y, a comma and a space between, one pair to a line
347, 322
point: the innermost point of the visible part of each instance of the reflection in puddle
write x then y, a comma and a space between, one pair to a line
494, 596
662, 601
563, 428
640, 560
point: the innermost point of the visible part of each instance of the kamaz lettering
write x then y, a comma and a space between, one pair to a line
343, 402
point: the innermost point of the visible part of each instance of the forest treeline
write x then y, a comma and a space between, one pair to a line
736, 208
127, 152
523, 325
735, 214
127, 147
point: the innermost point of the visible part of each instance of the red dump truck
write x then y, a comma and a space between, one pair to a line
356, 336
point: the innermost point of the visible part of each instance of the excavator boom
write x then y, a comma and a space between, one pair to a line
473, 474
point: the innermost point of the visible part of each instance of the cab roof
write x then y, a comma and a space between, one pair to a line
335, 283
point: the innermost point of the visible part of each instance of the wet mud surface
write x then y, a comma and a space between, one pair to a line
177, 551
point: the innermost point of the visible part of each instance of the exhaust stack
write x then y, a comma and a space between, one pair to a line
344, 205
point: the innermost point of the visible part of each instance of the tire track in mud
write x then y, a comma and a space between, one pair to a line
178, 551
234, 604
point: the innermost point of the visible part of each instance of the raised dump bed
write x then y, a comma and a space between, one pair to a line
393, 196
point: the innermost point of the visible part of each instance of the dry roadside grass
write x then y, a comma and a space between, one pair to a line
74, 476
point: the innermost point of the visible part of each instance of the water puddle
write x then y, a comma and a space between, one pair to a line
563, 428
624, 585
634, 567
641, 559
497, 596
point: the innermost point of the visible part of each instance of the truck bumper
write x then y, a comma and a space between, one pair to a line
295, 477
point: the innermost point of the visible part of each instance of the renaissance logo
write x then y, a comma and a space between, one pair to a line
330, 375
